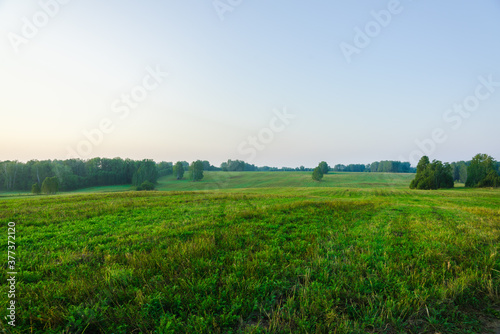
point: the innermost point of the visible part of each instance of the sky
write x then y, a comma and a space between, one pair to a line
277, 83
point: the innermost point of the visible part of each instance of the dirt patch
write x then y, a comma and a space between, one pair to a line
492, 325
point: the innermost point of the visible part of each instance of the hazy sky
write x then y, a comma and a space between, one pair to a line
280, 83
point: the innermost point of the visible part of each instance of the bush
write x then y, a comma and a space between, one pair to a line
146, 185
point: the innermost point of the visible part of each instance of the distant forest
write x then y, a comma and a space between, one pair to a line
75, 174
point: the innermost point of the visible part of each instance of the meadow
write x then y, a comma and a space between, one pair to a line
257, 252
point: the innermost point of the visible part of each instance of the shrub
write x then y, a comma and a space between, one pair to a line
146, 185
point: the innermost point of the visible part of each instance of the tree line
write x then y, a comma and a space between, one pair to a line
377, 167
482, 171
242, 166
74, 174
51, 176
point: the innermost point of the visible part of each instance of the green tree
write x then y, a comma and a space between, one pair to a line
35, 189
481, 172
374, 166
207, 166
492, 179
50, 185
443, 175
317, 174
433, 175
179, 170
147, 172
339, 168
10, 169
196, 169
324, 167
423, 163
459, 171
233, 166
165, 168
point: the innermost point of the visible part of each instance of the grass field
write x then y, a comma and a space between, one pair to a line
257, 253
243, 180
239, 180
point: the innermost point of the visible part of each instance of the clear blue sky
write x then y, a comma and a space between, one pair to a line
228, 78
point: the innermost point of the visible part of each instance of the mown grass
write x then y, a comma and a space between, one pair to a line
261, 260
249, 180
239, 180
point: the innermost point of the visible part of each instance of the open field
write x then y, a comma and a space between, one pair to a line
238, 180
266, 253
242, 180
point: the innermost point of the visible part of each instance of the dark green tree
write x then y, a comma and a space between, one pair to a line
324, 167
317, 174
196, 169
492, 179
421, 177
433, 175
179, 170
481, 172
165, 168
423, 163
147, 172
76, 173
207, 166
443, 175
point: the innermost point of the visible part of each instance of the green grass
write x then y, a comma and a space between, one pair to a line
357, 253
104, 189
238, 180
13, 194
